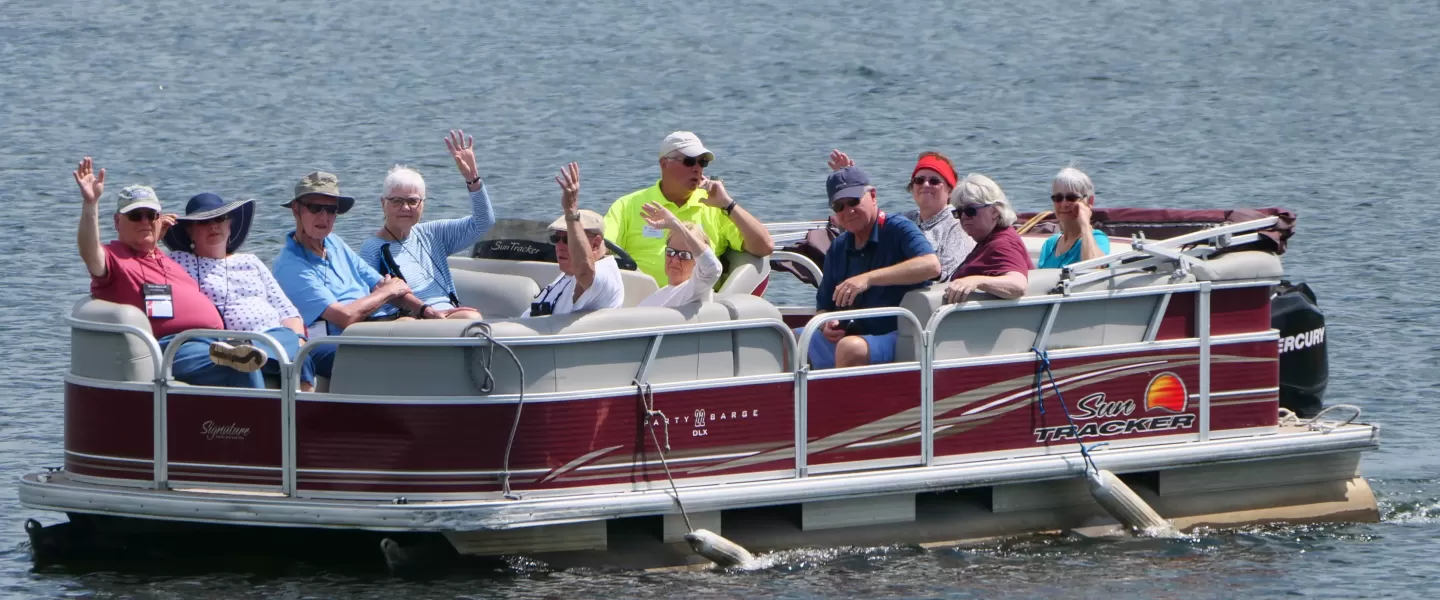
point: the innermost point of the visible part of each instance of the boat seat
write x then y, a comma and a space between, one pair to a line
743, 272
495, 295
757, 351
1249, 264
110, 356
638, 285
447, 371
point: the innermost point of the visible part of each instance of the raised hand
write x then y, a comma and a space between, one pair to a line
658, 216
838, 160
92, 186
715, 194
1083, 211
164, 223
569, 180
462, 149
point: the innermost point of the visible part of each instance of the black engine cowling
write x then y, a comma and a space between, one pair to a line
1304, 364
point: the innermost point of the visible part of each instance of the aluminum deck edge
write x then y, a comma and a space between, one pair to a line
56, 492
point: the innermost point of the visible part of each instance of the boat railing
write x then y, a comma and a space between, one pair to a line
799, 259
802, 375
1145, 253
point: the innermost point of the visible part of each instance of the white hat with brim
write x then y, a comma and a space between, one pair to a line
685, 143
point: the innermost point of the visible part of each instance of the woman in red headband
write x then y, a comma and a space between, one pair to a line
931, 181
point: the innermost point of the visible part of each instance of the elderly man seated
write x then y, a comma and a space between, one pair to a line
133, 270
872, 264
329, 283
589, 280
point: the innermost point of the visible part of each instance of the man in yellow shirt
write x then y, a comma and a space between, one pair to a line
685, 191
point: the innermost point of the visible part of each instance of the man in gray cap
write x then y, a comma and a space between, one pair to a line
133, 270
329, 283
589, 279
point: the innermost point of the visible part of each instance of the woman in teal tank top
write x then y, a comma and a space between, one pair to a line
1073, 196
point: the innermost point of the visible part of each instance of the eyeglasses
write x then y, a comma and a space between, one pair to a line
561, 237
969, 211
410, 202
691, 161
137, 216
680, 254
315, 209
922, 180
1058, 198
840, 205
214, 220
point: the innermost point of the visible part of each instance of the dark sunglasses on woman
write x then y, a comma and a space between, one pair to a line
215, 220
969, 211
922, 180
680, 254
1058, 198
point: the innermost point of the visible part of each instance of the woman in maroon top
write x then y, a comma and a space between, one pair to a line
999, 265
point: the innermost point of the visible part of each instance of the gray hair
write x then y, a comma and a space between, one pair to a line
979, 190
402, 177
1074, 180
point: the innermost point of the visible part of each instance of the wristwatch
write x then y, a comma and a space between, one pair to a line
572, 217
472, 181
729, 207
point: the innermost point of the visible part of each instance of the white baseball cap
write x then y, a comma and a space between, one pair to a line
136, 196
686, 143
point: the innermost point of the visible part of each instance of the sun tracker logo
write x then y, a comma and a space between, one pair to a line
1099, 417
1166, 392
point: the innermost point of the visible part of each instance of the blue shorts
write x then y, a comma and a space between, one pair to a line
822, 351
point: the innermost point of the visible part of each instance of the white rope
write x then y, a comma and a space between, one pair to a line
647, 399
1288, 418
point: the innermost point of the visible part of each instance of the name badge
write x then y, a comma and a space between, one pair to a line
651, 232
158, 302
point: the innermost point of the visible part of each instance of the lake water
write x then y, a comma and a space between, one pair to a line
1329, 107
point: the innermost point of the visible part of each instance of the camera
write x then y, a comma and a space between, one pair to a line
541, 309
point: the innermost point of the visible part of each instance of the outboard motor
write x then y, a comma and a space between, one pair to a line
1304, 364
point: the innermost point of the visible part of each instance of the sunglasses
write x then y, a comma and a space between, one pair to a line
840, 205
412, 202
680, 254
691, 161
932, 180
214, 220
1058, 198
137, 216
560, 237
315, 209
969, 211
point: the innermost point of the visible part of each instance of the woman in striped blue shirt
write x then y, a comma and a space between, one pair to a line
416, 252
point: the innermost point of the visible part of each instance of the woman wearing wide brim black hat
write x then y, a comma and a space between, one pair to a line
204, 241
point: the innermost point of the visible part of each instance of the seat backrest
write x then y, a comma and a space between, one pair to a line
1246, 264
496, 296
638, 285
757, 351
454, 371
743, 272
110, 356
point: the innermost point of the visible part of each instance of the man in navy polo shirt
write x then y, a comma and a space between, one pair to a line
872, 264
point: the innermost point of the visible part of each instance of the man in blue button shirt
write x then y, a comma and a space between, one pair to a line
329, 284
872, 264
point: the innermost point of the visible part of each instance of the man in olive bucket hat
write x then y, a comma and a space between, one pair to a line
204, 242
329, 283
133, 270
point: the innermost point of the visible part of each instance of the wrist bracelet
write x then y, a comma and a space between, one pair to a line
472, 181
729, 207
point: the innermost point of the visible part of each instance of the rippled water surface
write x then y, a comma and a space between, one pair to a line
1328, 107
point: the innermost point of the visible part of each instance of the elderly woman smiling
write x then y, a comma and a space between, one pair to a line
416, 252
1073, 196
999, 265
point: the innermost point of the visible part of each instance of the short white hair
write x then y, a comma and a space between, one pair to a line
402, 177
1074, 180
979, 190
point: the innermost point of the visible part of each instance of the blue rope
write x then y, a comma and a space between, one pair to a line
1044, 366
